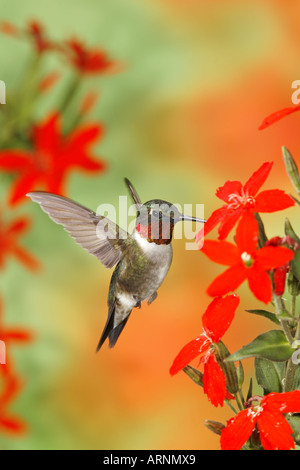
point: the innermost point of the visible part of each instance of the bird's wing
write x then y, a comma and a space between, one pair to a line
96, 234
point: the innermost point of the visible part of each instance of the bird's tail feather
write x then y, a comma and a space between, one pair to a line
115, 332
109, 331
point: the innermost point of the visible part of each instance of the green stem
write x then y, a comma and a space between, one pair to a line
20, 107
241, 397
239, 404
280, 310
71, 91
230, 406
294, 299
291, 368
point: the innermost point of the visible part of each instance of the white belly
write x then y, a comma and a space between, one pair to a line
159, 255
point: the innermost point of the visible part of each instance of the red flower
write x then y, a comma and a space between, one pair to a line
34, 31
9, 423
274, 117
88, 61
216, 320
240, 199
11, 384
52, 157
279, 276
245, 261
274, 431
9, 335
9, 243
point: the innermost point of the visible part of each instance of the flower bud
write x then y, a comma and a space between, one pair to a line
221, 352
214, 426
291, 169
194, 374
289, 231
293, 284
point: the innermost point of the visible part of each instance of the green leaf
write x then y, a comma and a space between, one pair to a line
264, 313
271, 345
293, 284
269, 374
250, 389
240, 374
288, 229
194, 374
294, 422
295, 265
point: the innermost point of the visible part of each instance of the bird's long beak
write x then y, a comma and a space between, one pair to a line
133, 192
192, 219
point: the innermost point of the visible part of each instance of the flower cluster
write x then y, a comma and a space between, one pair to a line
40, 154
269, 267
10, 383
52, 156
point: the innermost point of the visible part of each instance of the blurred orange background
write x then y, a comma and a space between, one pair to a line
180, 120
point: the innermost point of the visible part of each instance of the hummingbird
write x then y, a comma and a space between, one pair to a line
141, 259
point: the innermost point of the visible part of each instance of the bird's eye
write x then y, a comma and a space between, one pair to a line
155, 213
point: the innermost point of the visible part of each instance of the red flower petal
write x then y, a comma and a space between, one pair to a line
9, 28
19, 226
15, 335
229, 222
47, 136
88, 102
219, 315
237, 431
12, 387
270, 257
214, 219
230, 187
247, 233
214, 382
22, 186
12, 160
274, 430
272, 201
258, 178
189, 352
274, 117
221, 252
260, 284
10, 424
83, 136
48, 81
90, 165
228, 281
26, 258
288, 402
56, 185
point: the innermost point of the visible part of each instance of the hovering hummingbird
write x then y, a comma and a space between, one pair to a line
142, 259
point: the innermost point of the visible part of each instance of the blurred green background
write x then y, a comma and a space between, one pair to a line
180, 120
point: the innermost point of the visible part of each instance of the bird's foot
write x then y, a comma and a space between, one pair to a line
152, 298
138, 302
